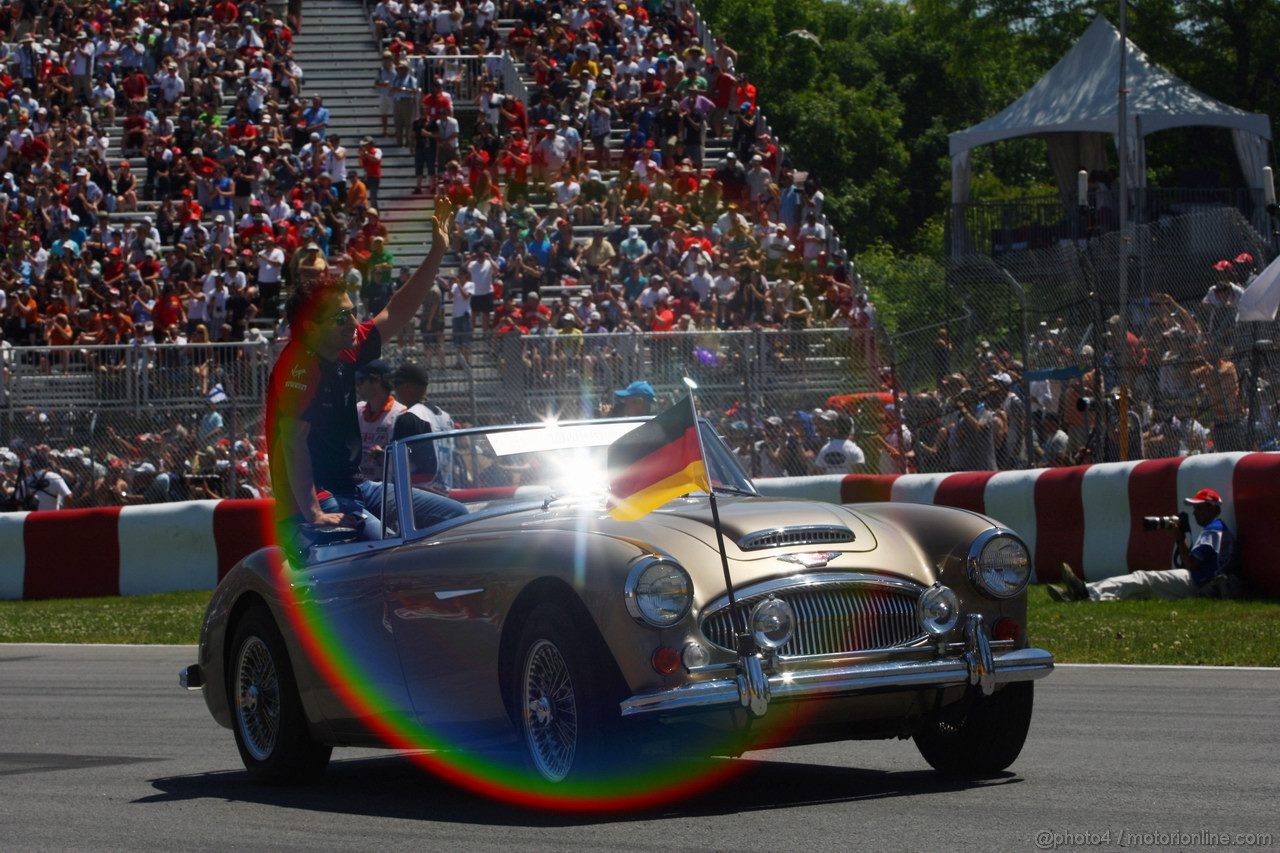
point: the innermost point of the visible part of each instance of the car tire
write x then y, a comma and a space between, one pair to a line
266, 711
985, 740
558, 704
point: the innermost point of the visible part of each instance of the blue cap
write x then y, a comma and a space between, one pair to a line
639, 388
377, 367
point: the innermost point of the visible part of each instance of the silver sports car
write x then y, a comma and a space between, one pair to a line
540, 628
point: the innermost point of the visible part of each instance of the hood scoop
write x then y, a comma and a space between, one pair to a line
783, 537
758, 524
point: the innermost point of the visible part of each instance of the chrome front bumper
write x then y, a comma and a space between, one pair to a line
753, 689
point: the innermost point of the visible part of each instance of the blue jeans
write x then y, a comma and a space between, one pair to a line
353, 505
429, 508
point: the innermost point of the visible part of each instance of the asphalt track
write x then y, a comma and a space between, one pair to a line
100, 750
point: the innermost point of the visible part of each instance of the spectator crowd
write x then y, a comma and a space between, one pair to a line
637, 189
167, 177
1175, 383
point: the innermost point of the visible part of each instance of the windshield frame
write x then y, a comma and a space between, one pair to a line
722, 466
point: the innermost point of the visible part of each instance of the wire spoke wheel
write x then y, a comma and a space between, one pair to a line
257, 698
550, 711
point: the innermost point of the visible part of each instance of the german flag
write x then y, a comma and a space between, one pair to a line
656, 462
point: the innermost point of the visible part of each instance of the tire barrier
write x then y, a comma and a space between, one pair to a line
1090, 516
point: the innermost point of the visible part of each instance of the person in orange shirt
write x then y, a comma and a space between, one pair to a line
27, 311
60, 334
664, 316
357, 193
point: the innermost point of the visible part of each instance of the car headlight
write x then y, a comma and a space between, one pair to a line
658, 592
937, 610
999, 563
772, 622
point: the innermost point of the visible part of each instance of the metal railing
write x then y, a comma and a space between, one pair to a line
199, 409
1037, 222
463, 75
131, 377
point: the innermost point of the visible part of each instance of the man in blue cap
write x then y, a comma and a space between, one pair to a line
636, 399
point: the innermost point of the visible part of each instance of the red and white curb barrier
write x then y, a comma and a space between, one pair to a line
1090, 516
81, 553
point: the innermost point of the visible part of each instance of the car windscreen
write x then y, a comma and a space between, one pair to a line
475, 466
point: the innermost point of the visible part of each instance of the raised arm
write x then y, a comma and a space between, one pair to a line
406, 301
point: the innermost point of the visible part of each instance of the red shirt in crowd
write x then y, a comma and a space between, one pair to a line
226, 12
371, 161
514, 167
723, 91
167, 312
135, 87
476, 161
436, 105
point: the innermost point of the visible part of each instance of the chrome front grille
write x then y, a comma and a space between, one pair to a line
783, 536
832, 618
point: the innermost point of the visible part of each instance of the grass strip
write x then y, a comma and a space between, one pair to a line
171, 617
1191, 631
1188, 631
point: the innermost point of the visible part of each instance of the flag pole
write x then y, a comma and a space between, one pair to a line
745, 643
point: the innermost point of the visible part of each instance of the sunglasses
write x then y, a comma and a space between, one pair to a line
343, 317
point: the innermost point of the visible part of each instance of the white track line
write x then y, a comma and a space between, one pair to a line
1067, 665
101, 645
1171, 666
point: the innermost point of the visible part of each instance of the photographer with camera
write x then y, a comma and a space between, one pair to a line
37, 485
1207, 568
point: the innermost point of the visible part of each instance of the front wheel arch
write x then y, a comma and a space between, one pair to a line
558, 593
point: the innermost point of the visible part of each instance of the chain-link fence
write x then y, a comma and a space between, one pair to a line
1173, 374
1021, 360
151, 424
125, 424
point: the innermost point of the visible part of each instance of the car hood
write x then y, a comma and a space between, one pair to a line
684, 530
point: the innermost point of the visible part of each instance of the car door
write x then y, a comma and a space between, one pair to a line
442, 605
352, 649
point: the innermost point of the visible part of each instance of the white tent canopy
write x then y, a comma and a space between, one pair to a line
1075, 106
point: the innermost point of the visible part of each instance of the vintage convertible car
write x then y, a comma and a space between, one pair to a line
580, 642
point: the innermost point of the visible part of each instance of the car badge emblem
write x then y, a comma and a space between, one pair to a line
811, 559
